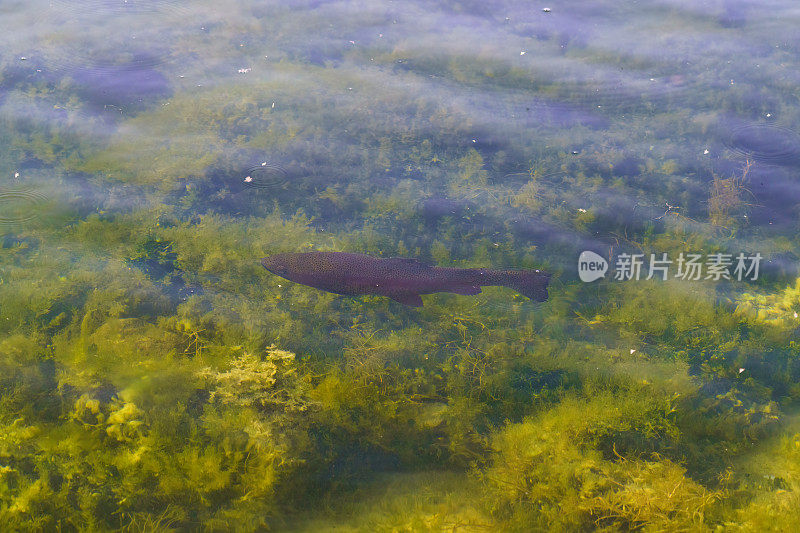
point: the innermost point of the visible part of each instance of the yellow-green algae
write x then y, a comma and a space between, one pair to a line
154, 377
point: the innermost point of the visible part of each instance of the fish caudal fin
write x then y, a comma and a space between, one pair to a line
532, 284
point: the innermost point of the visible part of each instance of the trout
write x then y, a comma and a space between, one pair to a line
403, 280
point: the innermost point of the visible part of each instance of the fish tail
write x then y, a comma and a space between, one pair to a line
530, 283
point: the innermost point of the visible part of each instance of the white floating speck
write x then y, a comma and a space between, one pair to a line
273, 105
546, 9
248, 179
741, 370
633, 350
352, 42
795, 314
23, 58
16, 175
244, 70
264, 164
522, 53
769, 115
581, 210
705, 152
474, 140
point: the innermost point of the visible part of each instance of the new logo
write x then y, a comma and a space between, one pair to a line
591, 266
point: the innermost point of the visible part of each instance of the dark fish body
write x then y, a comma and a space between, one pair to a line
400, 279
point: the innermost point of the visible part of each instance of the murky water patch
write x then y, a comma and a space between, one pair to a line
772, 193
552, 179
25, 110
626, 96
105, 8
436, 208
73, 39
87, 61
131, 82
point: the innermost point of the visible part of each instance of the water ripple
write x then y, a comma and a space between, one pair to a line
19, 205
266, 176
766, 143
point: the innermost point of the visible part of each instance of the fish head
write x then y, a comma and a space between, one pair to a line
279, 264
292, 266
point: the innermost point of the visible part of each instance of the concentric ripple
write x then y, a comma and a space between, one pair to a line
19, 205
766, 143
266, 176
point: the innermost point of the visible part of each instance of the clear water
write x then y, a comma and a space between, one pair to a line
154, 376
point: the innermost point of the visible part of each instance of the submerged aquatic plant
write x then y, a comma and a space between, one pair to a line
727, 199
562, 470
153, 377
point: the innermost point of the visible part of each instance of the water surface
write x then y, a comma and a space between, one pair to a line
154, 376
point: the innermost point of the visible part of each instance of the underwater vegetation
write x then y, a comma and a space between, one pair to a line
153, 377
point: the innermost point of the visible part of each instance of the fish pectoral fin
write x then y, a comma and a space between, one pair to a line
467, 290
408, 298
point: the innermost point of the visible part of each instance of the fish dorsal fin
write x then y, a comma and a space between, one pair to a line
408, 298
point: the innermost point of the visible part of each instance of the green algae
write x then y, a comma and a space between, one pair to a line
154, 377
